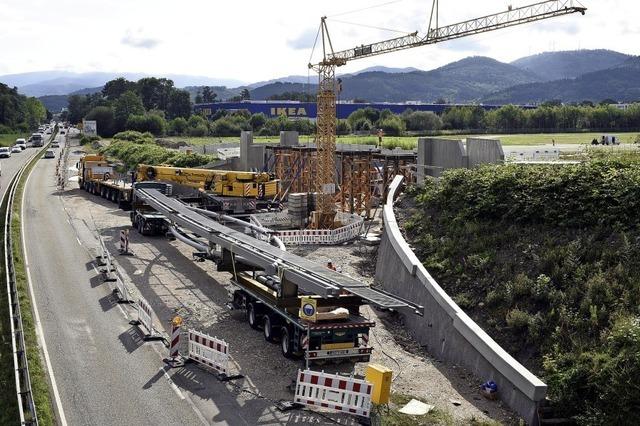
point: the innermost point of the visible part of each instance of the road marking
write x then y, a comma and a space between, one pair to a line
79, 242
36, 314
175, 388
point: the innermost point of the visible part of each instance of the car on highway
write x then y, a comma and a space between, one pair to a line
55, 145
16, 149
22, 143
50, 154
5, 152
62, 132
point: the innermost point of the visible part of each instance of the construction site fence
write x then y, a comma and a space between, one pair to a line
311, 236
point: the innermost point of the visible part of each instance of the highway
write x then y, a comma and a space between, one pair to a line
11, 165
103, 372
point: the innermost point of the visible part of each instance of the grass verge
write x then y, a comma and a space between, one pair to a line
410, 142
39, 381
9, 139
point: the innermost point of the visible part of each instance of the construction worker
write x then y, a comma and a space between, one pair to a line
380, 135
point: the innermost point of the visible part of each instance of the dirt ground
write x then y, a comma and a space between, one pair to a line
166, 275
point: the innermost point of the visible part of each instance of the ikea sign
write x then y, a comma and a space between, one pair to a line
288, 112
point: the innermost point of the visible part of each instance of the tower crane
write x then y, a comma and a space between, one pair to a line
328, 86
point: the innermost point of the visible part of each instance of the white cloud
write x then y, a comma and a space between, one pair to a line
137, 40
256, 40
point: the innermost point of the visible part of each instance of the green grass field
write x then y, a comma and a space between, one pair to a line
410, 142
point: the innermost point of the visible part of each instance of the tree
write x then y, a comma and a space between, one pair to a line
78, 107
198, 99
104, 119
154, 92
113, 89
208, 95
34, 112
245, 95
129, 103
257, 121
179, 104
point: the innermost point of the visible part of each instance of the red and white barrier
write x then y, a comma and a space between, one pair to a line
145, 317
124, 241
209, 351
335, 392
174, 343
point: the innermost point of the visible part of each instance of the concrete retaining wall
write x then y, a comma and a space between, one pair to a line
447, 332
484, 151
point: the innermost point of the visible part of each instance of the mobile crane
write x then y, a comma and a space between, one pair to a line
328, 86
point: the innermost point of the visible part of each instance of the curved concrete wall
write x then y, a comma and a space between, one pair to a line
447, 332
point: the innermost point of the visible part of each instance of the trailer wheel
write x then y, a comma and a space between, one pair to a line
286, 343
269, 329
252, 316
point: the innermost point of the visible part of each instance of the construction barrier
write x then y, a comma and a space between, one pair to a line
174, 343
335, 392
124, 241
110, 272
145, 317
312, 236
209, 351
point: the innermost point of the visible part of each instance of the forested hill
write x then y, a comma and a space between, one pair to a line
551, 66
621, 83
464, 81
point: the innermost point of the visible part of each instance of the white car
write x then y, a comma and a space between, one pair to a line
5, 152
16, 149
22, 143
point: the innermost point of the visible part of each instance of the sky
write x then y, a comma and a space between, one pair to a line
252, 41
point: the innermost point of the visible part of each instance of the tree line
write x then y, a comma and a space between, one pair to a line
19, 113
156, 106
150, 104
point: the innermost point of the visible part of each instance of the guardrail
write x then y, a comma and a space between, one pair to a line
26, 404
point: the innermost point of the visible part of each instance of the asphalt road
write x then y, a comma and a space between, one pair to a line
10, 166
103, 371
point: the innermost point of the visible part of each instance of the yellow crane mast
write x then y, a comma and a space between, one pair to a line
328, 86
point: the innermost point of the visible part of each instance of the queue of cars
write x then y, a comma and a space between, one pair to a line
36, 140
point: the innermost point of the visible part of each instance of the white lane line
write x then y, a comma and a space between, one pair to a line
36, 315
79, 242
173, 385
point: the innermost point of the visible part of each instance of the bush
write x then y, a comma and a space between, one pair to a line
198, 131
152, 123
133, 136
132, 154
5, 130
392, 126
552, 252
178, 127
343, 127
226, 126
84, 140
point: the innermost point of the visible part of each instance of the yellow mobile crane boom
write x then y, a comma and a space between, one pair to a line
220, 182
327, 87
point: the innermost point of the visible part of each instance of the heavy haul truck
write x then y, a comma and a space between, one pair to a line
232, 192
96, 175
318, 329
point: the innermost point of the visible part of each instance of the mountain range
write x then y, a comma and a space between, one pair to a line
570, 76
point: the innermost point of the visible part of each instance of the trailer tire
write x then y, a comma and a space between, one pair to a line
269, 329
252, 316
286, 343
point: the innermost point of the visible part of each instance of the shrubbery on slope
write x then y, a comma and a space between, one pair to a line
547, 260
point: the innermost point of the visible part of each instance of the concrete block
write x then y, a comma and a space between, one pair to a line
289, 138
484, 151
435, 155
